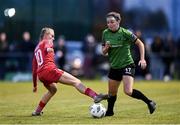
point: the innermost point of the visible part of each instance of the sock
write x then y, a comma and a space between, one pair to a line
40, 106
89, 92
139, 95
111, 101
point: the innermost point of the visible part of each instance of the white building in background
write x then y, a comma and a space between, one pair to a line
170, 7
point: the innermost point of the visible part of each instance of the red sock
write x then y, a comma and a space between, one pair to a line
40, 106
89, 92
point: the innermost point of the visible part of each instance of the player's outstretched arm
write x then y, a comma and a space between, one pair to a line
34, 74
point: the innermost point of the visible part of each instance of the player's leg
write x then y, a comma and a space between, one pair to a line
45, 99
113, 86
69, 79
128, 84
128, 90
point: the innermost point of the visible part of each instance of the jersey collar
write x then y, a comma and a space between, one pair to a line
114, 31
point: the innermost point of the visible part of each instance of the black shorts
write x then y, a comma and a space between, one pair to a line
116, 74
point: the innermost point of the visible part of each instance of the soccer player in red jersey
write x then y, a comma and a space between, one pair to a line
44, 67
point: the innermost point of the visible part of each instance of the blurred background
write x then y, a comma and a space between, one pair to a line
78, 26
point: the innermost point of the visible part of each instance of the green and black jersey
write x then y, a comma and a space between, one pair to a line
119, 54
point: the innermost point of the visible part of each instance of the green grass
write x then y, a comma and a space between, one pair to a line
70, 107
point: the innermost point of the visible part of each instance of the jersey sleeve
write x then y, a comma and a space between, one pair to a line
34, 72
48, 45
131, 36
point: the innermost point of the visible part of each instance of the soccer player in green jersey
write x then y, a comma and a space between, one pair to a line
116, 44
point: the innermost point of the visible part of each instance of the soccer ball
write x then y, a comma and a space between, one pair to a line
97, 110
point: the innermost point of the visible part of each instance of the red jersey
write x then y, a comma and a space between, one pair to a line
42, 56
44, 63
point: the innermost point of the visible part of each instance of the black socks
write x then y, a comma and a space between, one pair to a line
111, 101
135, 94
139, 95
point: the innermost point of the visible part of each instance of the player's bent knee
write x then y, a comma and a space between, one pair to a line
53, 90
77, 82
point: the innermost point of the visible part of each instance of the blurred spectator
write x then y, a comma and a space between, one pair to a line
140, 73
168, 55
102, 63
157, 45
157, 67
25, 49
89, 51
60, 52
4, 48
26, 46
177, 60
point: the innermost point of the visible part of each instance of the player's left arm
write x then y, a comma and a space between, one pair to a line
50, 50
142, 61
49, 46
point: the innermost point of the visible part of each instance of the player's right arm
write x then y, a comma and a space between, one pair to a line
106, 45
105, 48
34, 74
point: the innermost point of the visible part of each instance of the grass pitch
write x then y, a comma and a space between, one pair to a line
70, 107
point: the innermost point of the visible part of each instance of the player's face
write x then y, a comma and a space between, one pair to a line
50, 36
112, 23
